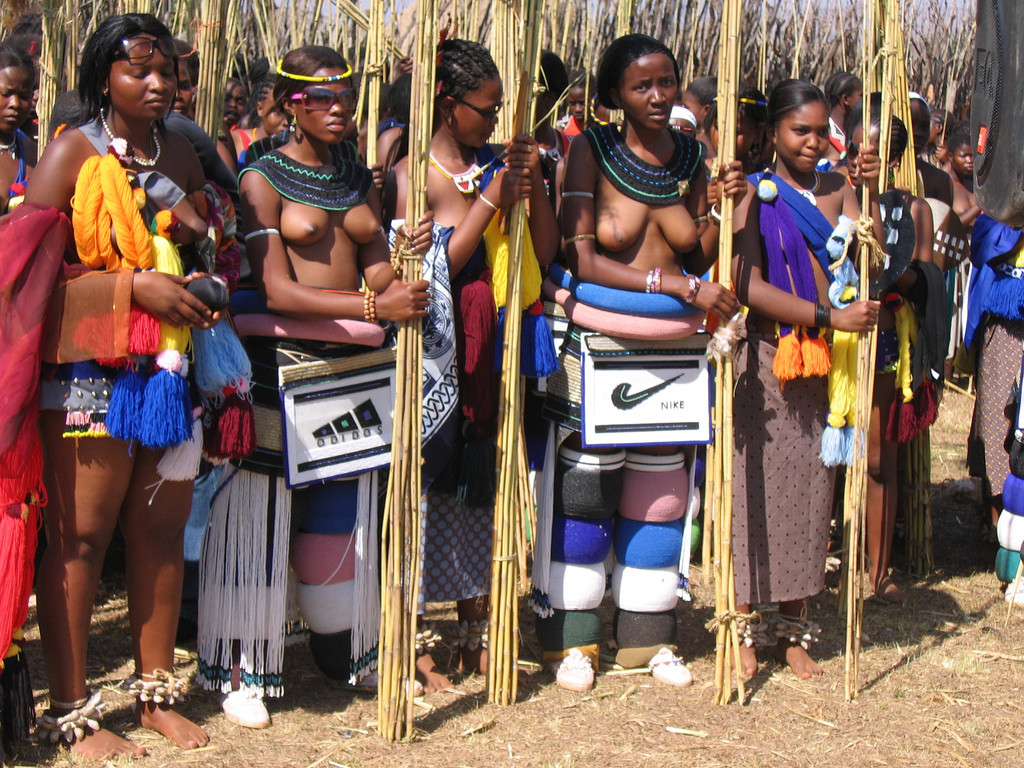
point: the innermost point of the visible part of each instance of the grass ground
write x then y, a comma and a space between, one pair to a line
941, 681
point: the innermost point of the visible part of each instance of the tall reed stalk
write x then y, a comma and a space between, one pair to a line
512, 496
727, 642
400, 548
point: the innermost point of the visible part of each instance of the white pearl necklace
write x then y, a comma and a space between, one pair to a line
135, 158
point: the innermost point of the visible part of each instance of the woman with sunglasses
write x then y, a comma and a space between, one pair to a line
467, 184
782, 490
95, 481
312, 218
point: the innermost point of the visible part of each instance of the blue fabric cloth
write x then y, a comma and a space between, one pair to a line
814, 225
989, 286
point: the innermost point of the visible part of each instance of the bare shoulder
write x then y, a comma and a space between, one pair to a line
54, 177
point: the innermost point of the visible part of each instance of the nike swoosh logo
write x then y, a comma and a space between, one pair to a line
624, 400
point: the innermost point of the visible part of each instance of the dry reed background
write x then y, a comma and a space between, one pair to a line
811, 38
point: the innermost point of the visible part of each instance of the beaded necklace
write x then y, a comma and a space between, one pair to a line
640, 180
336, 186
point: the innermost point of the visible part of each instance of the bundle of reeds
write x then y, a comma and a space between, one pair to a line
52, 75
216, 42
513, 498
504, 48
400, 547
855, 492
916, 502
624, 17
373, 75
727, 643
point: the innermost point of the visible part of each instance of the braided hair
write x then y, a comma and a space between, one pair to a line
260, 90
462, 67
839, 85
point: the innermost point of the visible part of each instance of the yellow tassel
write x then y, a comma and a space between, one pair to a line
815, 354
842, 374
788, 363
167, 260
496, 243
906, 333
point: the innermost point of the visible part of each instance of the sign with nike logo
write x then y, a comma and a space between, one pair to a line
639, 392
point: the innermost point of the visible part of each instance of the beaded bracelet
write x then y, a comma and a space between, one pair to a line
655, 285
370, 306
691, 295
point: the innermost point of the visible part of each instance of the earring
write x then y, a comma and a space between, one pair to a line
891, 178
291, 125
448, 119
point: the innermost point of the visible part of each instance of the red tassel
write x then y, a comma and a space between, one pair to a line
235, 433
19, 531
475, 334
927, 405
143, 332
892, 426
908, 422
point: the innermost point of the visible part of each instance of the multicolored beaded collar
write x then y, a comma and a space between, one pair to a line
337, 186
640, 180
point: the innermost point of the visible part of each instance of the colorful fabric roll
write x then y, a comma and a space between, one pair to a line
327, 609
576, 587
330, 508
588, 485
641, 630
569, 629
320, 559
624, 326
654, 491
1007, 562
648, 545
1013, 494
580, 542
332, 654
645, 590
1010, 530
620, 301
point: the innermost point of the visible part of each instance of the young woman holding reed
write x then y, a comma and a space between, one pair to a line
312, 217
95, 481
782, 492
630, 207
468, 184
884, 431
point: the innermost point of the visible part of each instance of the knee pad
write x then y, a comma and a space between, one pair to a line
655, 489
644, 590
648, 545
588, 485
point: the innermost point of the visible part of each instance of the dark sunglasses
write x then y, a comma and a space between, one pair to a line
490, 115
316, 98
139, 50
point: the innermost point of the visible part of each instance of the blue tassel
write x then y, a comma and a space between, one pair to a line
1004, 298
538, 354
124, 414
833, 449
166, 411
848, 445
219, 359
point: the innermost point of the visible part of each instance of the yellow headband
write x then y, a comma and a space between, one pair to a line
309, 78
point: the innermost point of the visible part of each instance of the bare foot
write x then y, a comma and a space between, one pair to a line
888, 592
428, 674
165, 721
105, 745
796, 658
473, 661
748, 660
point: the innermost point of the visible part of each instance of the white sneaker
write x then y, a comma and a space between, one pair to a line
575, 673
245, 709
669, 668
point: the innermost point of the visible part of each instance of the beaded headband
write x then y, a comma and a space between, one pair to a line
311, 78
